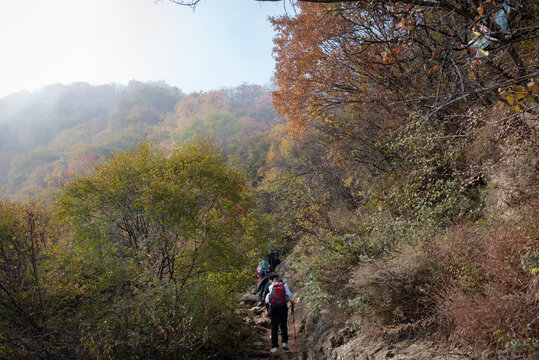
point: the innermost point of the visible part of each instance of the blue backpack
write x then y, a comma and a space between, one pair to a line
263, 268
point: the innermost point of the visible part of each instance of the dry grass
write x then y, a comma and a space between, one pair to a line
394, 292
490, 295
475, 287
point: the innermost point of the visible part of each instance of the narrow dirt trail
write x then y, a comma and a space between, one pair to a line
258, 319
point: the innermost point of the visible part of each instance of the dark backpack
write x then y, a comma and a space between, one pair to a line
278, 294
273, 257
263, 268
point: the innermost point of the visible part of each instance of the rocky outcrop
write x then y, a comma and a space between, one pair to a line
327, 341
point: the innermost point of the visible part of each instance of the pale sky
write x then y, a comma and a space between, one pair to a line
222, 43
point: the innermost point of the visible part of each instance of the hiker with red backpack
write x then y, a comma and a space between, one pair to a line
276, 301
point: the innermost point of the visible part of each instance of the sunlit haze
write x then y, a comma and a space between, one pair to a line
220, 44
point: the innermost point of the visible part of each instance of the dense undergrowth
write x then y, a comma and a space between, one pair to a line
473, 284
429, 253
435, 250
408, 183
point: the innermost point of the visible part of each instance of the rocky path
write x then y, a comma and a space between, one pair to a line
260, 324
328, 340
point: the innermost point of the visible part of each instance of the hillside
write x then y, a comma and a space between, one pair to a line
394, 166
406, 179
63, 130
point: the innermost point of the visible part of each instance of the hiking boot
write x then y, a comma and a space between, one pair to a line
274, 349
285, 345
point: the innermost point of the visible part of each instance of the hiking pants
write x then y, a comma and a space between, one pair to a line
278, 316
262, 284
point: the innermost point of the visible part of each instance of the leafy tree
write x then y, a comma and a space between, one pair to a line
401, 57
156, 233
365, 75
25, 236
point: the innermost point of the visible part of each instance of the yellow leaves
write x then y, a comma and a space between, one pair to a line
518, 96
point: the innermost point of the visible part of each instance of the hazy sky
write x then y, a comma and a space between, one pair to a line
223, 43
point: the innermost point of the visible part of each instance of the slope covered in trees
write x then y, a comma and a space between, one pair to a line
146, 234
62, 130
408, 171
136, 260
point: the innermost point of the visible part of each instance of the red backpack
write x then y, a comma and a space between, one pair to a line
278, 294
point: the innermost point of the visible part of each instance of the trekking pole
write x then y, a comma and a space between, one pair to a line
294, 321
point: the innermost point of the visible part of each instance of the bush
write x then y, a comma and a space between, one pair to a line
432, 183
396, 291
490, 295
25, 237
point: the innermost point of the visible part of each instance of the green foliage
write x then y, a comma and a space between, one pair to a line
222, 124
160, 246
153, 250
432, 187
249, 152
25, 235
530, 260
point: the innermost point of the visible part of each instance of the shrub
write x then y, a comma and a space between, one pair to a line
398, 290
490, 295
432, 186
25, 237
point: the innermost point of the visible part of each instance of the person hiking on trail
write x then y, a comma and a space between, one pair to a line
263, 286
273, 257
278, 296
263, 269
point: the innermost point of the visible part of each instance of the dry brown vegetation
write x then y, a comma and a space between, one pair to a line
490, 294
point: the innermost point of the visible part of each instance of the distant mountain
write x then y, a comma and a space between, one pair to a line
49, 135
